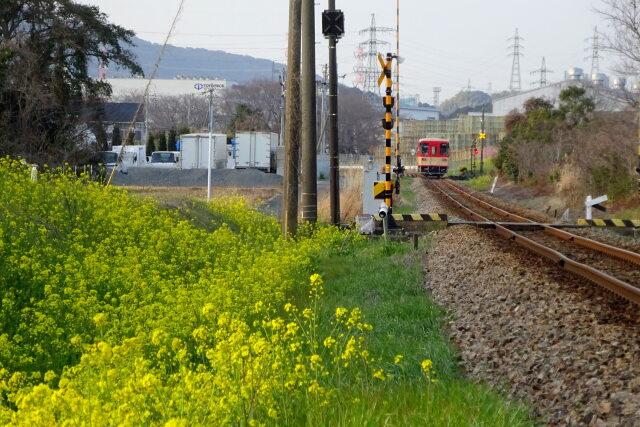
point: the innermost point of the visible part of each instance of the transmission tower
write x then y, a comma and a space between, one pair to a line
543, 73
516, 82
595, 52
370, 71
436, 96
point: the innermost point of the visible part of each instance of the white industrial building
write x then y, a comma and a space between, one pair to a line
609, 95
410, 109
123, 87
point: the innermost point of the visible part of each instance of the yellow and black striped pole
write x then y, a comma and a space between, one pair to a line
387, 124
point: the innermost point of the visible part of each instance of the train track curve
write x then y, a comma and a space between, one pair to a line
613, 268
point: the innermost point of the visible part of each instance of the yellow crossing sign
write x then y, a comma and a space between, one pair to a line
384, 68
378, 190
482, 135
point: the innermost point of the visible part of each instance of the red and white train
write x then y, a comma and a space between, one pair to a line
433, 156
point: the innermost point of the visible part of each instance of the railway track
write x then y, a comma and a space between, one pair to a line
613, 268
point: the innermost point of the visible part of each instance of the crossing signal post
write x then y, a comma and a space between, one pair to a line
333, 30
387, 124
482, 136
474, 153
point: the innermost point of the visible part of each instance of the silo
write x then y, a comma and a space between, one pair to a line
618, 83
600, 79
575, 74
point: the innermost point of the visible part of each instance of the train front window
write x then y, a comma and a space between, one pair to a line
444, 149
434, 150
424, 149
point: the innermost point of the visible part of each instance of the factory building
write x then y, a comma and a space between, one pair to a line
608, 94
179, 86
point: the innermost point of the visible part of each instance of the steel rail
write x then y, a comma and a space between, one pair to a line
609, 250
598, 277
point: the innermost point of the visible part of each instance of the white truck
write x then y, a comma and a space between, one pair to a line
165, 159
134, 155
256, 150
194, 151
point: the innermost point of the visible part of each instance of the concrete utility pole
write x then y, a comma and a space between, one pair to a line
292, 123
308, 86
334, 160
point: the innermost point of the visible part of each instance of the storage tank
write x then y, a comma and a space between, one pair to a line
575, 74
618, 83
600, 79
194, 151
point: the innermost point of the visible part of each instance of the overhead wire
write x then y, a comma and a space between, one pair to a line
144, 95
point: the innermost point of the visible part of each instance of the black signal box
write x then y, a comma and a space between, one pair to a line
333, 23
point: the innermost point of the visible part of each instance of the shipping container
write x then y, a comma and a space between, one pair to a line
256, 150
194, 150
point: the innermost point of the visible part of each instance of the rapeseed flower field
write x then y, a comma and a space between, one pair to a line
114, 311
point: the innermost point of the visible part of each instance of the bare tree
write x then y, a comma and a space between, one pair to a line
624, 39
360, 127
253, 106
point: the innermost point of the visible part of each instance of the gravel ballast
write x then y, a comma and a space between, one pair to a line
563, 344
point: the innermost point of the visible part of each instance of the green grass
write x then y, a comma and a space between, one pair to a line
385, 282
633, 213
479, 182
408, 197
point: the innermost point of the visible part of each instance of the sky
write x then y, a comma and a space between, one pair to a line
452, 44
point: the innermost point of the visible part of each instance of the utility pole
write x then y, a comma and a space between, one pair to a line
308, 88
292, 123
482, 137
333, 29
399, 169
209, 147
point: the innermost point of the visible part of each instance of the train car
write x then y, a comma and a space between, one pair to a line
433, 156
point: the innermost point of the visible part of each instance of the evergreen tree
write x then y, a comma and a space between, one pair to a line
151, 144
46, 48
116, 137
162, 142
171, 142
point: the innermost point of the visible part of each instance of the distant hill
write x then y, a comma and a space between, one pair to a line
465, 102
186, 61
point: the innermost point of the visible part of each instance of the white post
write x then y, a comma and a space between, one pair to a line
495, 181
34, 172
588, 207
210, 136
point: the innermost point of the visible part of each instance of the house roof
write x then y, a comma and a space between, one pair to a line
119, 112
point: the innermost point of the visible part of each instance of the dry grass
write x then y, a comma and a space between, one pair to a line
168, 194
350, 197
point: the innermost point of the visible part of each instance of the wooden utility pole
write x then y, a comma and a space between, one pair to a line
334, 161
292, 123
